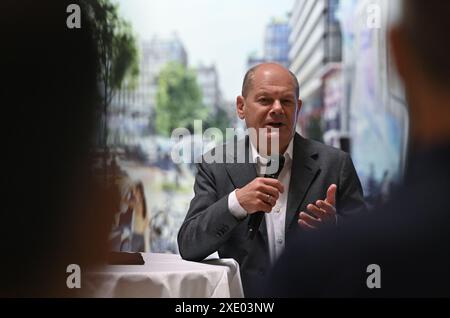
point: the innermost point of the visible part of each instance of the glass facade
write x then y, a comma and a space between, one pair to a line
276, 44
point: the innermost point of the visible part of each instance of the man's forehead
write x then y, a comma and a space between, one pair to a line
273, 82
274, 89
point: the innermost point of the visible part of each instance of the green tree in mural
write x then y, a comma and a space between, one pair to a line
219, 120
178, 99
118, 51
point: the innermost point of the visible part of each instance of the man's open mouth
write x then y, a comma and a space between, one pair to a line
274, 125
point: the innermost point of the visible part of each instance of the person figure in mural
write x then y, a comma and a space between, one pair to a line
373, 188
56, 211
239, 211
162, 232
132, 226
178, 175
385, 188
401, 249
141, 220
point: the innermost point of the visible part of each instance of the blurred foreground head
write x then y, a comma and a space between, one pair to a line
422, 54
53, 212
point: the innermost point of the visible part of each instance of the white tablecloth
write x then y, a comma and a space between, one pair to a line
166, 275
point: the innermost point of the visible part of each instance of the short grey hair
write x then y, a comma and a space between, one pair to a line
250, 75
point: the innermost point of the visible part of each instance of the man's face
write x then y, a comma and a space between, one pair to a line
271, 103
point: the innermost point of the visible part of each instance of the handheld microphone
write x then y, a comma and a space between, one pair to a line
257, 217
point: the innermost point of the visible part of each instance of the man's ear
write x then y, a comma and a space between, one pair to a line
299, 106
240, 104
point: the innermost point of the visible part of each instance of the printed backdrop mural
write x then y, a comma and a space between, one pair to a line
378, 114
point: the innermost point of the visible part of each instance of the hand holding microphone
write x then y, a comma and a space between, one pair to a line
261, 195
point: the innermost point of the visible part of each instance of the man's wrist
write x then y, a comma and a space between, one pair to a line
235, 207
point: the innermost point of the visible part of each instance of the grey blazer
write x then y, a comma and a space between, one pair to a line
209, 226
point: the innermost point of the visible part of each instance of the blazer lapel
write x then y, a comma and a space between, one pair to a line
303, 173
241, 174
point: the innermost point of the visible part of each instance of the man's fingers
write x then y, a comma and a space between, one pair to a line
305, 225
264, 206
274, 183
331, 195
266, 189
270, 200
309, 220
327, 207
318, 213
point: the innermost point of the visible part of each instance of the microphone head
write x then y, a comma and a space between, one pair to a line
275, 165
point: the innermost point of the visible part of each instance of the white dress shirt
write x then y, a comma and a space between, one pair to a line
276, 219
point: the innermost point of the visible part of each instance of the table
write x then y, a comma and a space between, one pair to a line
166, 275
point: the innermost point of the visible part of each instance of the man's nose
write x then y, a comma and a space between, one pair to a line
277, 108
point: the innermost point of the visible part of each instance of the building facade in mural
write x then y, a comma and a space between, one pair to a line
374, 109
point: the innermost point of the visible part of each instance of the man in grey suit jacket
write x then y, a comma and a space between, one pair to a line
316, 184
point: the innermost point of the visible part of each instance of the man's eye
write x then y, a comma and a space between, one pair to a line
287, 102
264, 101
